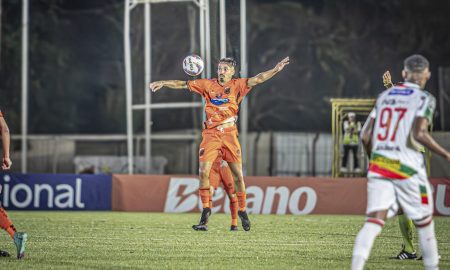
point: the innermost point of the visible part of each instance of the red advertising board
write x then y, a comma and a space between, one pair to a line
265, 195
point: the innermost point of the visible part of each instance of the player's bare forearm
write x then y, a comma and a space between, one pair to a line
172, 84
368, 148
366, 135
264, 76
6, 161
422, 136
5, 137
175, 84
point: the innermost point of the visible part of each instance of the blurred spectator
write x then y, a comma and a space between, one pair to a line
351, 142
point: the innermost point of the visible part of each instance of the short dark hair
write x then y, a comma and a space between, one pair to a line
416, 63
229, 61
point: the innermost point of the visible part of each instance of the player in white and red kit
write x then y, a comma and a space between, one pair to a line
394, 136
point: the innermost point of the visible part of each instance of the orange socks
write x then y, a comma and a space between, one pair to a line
204, 196
242, 199
6, 224
234, 210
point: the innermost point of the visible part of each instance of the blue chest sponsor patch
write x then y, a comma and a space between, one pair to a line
400, 92
219, 101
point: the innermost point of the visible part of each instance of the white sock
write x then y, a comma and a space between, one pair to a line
428, 245
363, 244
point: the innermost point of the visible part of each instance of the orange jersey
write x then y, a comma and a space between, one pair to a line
1, 114
221, 102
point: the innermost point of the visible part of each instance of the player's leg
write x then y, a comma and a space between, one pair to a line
6, 223
205, 195
236, 170
427, 242
204, 189
355, 159
211, 195
214, 179
381, 203
228, 184
232, 154
416, 200
345, 158
233, 210
209, 150
3, 226
19, 238
366, 237
239, 185
406, 228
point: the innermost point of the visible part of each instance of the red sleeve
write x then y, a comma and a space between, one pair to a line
197, 86
1, 114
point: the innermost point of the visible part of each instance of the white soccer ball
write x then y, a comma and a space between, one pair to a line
193, 65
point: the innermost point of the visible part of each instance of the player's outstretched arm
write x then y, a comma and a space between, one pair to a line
422, 136
264, 76
387, 79
173, 84
6, 162
366, 135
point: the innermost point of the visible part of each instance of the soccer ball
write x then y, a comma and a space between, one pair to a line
193, 65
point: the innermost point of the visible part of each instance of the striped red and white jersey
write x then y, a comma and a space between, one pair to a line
395, 153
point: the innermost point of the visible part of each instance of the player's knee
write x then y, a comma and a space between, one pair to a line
230, 189
203, 174
381, 215
238, 179
423, 222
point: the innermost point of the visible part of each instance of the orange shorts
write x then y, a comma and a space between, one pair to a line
216, 141
220, 172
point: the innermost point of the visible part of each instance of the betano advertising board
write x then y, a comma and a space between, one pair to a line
179, 194
265, 195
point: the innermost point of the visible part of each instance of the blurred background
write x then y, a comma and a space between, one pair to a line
76, 78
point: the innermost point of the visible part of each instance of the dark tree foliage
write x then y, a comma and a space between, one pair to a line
337, 49
75, 66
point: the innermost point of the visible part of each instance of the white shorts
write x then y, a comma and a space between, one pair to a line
413, 195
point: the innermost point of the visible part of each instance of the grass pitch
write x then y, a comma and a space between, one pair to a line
115, 240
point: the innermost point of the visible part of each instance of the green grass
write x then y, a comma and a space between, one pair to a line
115, 240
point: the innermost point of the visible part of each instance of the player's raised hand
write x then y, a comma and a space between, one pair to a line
387, 80
6, 164
282, 64
155, 86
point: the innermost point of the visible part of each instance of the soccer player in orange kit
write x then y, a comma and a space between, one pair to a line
222, 97
6, 224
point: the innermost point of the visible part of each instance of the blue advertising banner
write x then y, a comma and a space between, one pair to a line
56, 191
